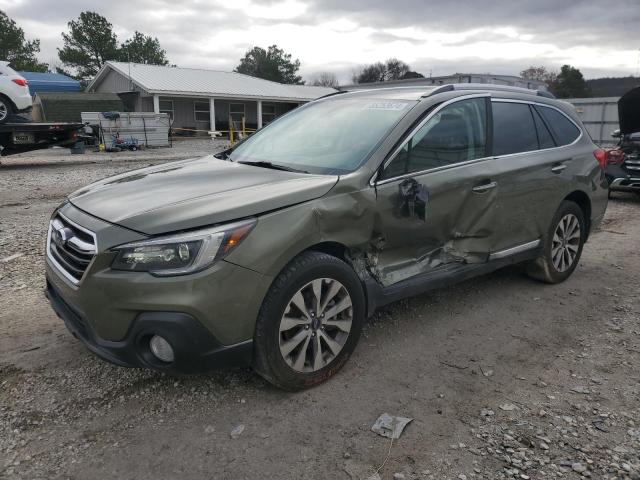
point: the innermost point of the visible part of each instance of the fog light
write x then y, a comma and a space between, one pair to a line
161, 348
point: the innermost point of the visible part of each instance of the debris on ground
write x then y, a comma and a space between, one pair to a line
11, 257
237, 431
390, 426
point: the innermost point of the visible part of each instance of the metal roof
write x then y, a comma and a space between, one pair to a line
176, 81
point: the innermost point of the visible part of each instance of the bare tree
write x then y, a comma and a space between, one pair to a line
325, 79
375, 72
539, 73
391, 69
396, 69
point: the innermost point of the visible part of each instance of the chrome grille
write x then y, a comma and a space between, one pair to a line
632, 162
70, 247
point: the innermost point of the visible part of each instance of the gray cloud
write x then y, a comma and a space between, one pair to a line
185, 29
567, 22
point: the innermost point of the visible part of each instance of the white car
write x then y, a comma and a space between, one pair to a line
14, 93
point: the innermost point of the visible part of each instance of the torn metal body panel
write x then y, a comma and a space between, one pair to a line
459, 225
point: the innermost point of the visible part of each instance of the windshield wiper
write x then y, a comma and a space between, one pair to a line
223, 155
273, 166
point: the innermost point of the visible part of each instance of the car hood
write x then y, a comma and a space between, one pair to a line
194, 193
629, 112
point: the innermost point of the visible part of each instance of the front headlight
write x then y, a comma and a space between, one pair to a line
182, 253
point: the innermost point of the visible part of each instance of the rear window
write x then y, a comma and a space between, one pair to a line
514, 130
544, 135
563, 129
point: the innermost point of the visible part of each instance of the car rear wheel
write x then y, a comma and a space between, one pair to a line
6, 110
309, 323
563, 245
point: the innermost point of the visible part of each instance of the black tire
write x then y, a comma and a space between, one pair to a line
543, 268
306, 267
5, 106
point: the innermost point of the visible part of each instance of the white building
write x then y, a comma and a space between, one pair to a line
201, 99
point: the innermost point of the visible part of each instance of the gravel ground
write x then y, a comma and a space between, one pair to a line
504, 377
181, 149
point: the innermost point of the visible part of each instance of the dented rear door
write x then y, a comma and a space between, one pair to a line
436, 197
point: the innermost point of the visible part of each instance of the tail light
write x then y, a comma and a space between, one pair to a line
601, 156
20, 81
615, 157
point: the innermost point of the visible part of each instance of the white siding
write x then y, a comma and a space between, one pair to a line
114, 83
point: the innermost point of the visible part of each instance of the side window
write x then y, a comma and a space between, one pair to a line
564, 131
455, 134
513, 128
544, 135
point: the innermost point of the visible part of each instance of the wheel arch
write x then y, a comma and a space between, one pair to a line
584, 202
11, 104
339, 250
332, 248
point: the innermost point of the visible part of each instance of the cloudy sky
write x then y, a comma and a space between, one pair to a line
601, 37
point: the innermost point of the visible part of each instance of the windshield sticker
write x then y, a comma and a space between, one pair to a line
385, 106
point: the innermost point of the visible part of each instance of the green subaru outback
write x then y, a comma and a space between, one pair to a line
273, 253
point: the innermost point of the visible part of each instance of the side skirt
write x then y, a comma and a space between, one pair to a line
378, 296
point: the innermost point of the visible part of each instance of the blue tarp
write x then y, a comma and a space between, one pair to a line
50, 82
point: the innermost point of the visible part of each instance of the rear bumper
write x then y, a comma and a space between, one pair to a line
621, 179
195, 348
23, 101
629, 184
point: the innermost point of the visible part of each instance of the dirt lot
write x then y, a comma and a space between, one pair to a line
504, 377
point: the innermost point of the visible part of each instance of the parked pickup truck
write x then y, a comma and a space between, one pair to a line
22, 137
623, 162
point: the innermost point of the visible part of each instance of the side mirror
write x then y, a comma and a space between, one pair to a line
616, 133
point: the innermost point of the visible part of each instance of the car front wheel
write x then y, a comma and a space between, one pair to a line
563, 245
309, 323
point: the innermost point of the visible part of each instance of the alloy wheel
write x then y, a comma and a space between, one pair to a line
4, 111
315, 325
566, 243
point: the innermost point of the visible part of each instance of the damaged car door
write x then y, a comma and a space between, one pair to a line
436, 194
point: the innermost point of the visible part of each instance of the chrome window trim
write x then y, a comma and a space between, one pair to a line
509, 100
514, 250
372, 180
59, 267
415, 130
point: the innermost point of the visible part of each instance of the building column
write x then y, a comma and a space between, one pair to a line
259, 114
156, 104
212, 115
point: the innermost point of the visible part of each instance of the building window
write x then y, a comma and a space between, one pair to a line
268, 113
166, 106
202, 111
236, 111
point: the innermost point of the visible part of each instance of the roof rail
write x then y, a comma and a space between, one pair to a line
332, 94
488, 86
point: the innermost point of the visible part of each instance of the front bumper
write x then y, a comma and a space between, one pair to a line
195, 348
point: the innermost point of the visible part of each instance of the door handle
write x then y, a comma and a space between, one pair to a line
558, 168
483, 188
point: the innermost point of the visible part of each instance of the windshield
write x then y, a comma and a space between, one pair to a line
333, 136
